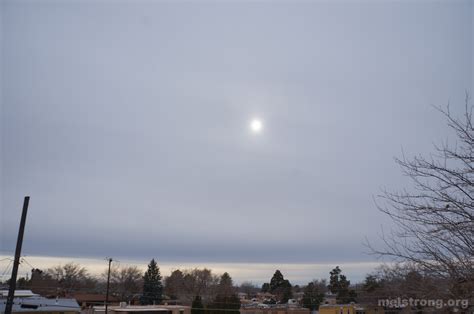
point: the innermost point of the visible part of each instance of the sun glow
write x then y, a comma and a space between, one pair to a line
256, 126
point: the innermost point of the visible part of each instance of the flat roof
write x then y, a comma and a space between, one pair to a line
142, 308
146, 309
19, 293
40, 304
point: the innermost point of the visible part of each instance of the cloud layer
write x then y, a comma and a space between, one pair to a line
127, 124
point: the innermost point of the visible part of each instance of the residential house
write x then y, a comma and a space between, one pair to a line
27, 302
273, 309
351, 308
124, 308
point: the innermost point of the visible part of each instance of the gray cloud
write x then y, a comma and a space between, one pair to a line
128, 123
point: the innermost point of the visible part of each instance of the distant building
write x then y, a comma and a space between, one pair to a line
350, 309
298, 295
273, 309
330, 298
266, 297
87, 300
123, 308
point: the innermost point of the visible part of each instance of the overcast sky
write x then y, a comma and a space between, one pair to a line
128, 123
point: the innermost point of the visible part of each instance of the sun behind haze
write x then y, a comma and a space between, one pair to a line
256, 126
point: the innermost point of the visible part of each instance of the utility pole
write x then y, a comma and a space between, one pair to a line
108, 284
16, 262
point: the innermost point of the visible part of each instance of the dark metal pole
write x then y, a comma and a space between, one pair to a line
108, 284
19, 242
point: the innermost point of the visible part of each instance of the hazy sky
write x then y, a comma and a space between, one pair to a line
128, 123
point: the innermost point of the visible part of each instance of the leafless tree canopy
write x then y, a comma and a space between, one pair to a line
434, 218
125, 281
70, 277
186, 284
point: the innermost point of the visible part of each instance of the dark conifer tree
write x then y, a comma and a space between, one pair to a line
312, 297
339, 285
281, 287
152, 285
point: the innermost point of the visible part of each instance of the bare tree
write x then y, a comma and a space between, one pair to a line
400, 280
200, 282
185, 285
321, 284
174, 284
71, 277
125, 282
42, 283
249, 288
434, 219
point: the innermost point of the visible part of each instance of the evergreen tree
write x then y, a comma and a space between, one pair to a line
265, 287
152, 286
334, 280
226, 286
312, 297
280, 287
227, 301
287, 292
371, 283
276, 281
225, 280
197, 307
339, 285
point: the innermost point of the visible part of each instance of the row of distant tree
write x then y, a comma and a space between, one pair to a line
206, 291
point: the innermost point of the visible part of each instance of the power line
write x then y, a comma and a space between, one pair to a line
23, 259
7, 268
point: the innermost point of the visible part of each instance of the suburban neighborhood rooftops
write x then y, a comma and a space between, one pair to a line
18, 293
